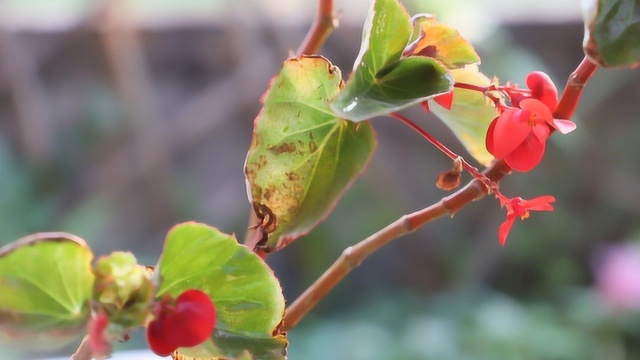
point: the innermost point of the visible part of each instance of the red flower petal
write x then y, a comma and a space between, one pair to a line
564, 126
527, 155
445, 100
542, 132
504, 229
510, 130
541, 111
488, 141
543, 89
541, 203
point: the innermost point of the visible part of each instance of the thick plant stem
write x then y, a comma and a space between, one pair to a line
354, 255
474, 190
322, 26
576, 82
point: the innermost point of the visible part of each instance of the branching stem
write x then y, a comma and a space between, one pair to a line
474, 190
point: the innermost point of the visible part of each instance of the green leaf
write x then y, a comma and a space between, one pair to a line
248, 299
302, 156
46, 282
470, 114
612, 32
382, 81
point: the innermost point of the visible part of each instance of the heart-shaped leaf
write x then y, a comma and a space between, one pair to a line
612, 32
382, 80
46, 282
302, 156
248, 299
471, 113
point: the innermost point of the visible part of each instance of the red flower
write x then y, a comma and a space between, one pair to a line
519, 208
519, 135
186, 323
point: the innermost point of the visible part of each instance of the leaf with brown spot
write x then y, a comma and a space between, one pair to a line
302, 156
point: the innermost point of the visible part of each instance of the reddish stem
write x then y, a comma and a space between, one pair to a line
576, 82
477, 88
440, 146
322, 26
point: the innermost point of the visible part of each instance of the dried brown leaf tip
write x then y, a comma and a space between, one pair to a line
451, 179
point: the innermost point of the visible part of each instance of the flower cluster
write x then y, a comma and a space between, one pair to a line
187, 322
519, 134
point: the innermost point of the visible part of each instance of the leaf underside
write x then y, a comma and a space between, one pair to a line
471, 113
46, 282
612, 32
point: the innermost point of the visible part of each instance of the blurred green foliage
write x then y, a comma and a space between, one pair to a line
470, 324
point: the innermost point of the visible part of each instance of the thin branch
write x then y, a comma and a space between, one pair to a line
322, 26
474, 190
440, 146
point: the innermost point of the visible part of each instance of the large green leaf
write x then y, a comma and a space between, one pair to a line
471, 113
302, 156
248, 299
382, 80
612, 32
46, 282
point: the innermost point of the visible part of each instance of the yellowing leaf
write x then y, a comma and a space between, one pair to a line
470, 114
443, 43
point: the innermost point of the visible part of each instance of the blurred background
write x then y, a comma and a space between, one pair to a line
121, 118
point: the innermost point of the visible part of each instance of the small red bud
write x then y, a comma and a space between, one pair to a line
543, 89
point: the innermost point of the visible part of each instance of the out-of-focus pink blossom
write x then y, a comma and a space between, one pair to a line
618, 277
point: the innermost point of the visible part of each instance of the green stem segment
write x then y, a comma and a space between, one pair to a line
474, 190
